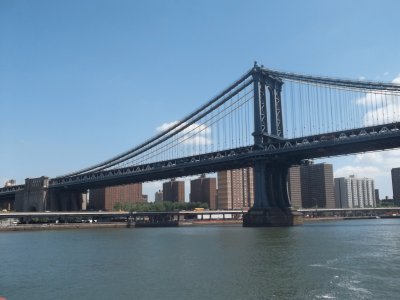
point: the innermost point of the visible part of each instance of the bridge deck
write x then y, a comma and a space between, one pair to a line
290, 151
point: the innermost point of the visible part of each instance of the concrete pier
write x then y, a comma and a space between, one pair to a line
272, 217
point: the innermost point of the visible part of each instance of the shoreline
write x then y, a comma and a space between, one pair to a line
33, 227
322, 219
52, 226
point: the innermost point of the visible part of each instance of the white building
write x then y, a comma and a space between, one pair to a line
354, 192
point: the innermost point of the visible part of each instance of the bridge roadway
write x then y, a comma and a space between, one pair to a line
379, 210
10, 190
113, 214
277, 151
125, 214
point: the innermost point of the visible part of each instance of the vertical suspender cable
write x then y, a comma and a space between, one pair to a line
326, 110
360, 111
331, 107
309, 114
314, 108
301, 109
342, 109
212, 127
336, 122
365, 108
284, 97
293, 109
239, 121
383, 107
231, 116
378, 97
319, 111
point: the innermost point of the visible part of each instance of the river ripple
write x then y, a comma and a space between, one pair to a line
325, 260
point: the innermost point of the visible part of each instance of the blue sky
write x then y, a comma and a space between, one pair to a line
81, 81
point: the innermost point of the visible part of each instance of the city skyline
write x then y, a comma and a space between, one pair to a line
153, 187
310, 185
81, 100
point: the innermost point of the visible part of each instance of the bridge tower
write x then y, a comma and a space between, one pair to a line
272, 206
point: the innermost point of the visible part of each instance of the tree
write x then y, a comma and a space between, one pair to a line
159, 206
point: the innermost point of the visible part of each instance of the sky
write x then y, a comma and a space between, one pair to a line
81, 81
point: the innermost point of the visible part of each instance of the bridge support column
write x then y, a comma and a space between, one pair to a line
272, 205
65, 200
34, 195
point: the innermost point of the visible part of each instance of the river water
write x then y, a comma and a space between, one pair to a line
322, 260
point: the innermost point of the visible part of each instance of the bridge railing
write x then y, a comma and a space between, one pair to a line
11, 189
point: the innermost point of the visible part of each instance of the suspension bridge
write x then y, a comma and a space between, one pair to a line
267, 119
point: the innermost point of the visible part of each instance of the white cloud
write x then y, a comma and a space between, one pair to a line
165, 126
359, 171
198, 128
397, 79
383, 160
383, 115
375, 99
383, 108
376, 165
194, 134
193, 128
361, 78
197, 140
394, 154
371, 157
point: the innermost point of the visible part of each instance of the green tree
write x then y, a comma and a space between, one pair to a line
159, 206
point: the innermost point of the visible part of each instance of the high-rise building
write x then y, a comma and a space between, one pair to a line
174, 191
158, 197
354, 192
235, 189
294, 186
317, 186
396, 184
204, 190
377, 198
107, 197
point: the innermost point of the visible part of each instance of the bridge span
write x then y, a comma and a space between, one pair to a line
266, 119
